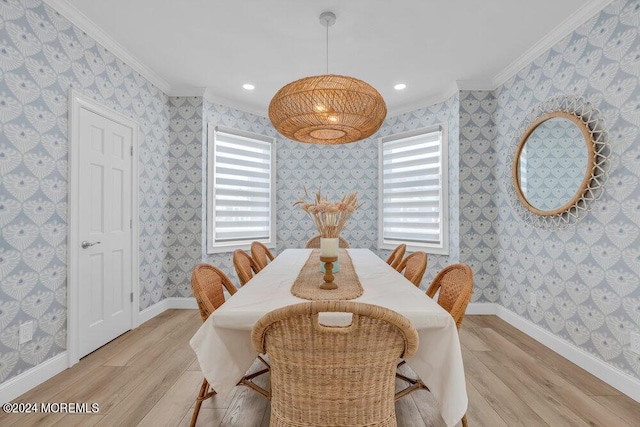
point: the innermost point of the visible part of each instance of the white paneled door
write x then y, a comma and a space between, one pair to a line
105, 298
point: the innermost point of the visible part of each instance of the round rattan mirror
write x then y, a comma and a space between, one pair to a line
553, 163
559, 157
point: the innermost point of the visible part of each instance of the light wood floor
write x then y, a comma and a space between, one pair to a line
150, 377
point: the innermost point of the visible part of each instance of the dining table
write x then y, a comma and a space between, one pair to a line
225, 352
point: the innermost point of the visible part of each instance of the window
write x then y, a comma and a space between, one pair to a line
241, 190
413, 191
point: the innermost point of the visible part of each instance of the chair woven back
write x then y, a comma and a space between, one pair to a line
333, 375
456, 286
314, 243
207, 282
245, 266
395, 258
414, 266
261, 255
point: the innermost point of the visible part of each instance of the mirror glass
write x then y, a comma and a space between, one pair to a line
553, 163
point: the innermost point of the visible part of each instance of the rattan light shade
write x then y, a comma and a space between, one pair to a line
328, 109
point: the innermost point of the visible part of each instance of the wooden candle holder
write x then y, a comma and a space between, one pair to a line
328, 272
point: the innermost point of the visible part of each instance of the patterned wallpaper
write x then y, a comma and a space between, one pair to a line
552, 164
183, 239
41, 56
478, 184
586, 277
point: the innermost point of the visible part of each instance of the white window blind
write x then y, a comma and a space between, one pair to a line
413, 190
241, 189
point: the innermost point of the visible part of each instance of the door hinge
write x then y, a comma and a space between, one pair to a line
130, 223
132, 151
131, 296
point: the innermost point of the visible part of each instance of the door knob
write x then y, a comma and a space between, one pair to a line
86, 244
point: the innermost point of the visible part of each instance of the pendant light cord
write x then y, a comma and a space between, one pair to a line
327, 43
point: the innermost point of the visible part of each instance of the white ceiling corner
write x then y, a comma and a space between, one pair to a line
83, 22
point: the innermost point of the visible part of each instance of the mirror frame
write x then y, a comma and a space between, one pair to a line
591, 158
594, 123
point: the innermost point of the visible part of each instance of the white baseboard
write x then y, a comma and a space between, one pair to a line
482, 308
35, 376
617, 379
166, 304
20, 384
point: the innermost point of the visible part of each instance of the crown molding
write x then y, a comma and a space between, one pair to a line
470, 85
565, 28
186, 91
451, 90
80, 20
210, 96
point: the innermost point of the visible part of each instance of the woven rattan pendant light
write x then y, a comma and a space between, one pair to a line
327, 109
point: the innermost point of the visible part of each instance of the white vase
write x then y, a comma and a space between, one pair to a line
329, 246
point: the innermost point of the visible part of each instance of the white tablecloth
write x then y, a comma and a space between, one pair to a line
223, 342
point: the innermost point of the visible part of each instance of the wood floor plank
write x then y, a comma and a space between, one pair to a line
206, 418
562, 396
425, 403
135, 404
85, 420
511, 380
472, 341
624, 407
480, 412
267, 416
427, 408
247, 409
407, 413
563, 367
175, 403
501, 398
529, 390
221, 402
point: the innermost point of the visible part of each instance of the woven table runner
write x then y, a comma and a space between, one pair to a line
307, 284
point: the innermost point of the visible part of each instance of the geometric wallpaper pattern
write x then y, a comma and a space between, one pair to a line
183, 213
42, 56
478, 186
552, 164
586, 277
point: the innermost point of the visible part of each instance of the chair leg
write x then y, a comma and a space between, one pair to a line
464, 421
247, 379
203, 395
416, 384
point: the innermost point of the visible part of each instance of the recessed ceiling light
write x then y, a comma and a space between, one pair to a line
400, 86
248, 86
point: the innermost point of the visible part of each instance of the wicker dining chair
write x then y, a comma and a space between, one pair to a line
414, 266
207, 282
455, 283
333, 375
245, 266
395, 258
261, 255
314, 242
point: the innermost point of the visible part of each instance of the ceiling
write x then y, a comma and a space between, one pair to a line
433, 46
